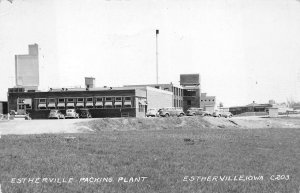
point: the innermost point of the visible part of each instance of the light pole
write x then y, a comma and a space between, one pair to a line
156, 35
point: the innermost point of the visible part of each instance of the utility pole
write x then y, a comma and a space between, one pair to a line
156, 34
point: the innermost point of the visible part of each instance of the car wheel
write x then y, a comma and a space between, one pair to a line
219, 116
167, 115
194, 114
181, 115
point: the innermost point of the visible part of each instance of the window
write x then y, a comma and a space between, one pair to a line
42, 100
99, 99
61, 103
89, 99
89, 102
108, 102
61, 100
25, 103
127, 98
80, 100
167, 89
51, 103
118, 102
201, 100
213, 100
108, 98
141, 108
189, 102
189, 93
127, 102
20, 100
70, 100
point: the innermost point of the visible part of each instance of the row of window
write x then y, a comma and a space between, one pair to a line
177, 103
63, 103
87, 104
209, 100
88, 99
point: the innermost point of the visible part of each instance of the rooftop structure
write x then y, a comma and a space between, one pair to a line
27, 69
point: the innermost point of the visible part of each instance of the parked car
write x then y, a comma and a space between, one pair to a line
207, 113
71, 113
194, 111
172, 111
225, 114
84, 113
152, 113
56, 114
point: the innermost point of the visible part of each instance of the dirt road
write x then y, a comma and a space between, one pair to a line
21, 126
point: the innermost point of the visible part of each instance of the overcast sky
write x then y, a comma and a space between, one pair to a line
244, 50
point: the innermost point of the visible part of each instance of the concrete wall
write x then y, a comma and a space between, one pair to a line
157, 98
176, 90
27, 68
207, 101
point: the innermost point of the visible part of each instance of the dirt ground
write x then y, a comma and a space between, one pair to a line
21, 126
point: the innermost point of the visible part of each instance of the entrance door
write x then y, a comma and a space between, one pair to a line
21, 110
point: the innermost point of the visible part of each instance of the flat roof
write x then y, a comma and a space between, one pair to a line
139, 85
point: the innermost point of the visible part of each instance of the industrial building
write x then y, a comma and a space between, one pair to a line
126, 101
191, 90
175, 90
102, 102
185, 95
27, 69
208, 103
251, 109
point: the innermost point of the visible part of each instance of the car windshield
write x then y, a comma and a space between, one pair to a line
70, 110
53, 111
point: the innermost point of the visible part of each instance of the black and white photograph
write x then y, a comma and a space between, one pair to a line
150, 96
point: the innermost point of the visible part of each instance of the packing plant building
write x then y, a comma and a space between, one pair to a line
127, 101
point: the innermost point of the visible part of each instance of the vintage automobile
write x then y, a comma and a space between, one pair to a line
225, 114
152, 113
193, 111
84, 113
71, 113
56, 114
172, 111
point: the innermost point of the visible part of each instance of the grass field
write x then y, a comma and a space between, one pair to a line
160, 155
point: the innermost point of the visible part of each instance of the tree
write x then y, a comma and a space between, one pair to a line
291, 102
